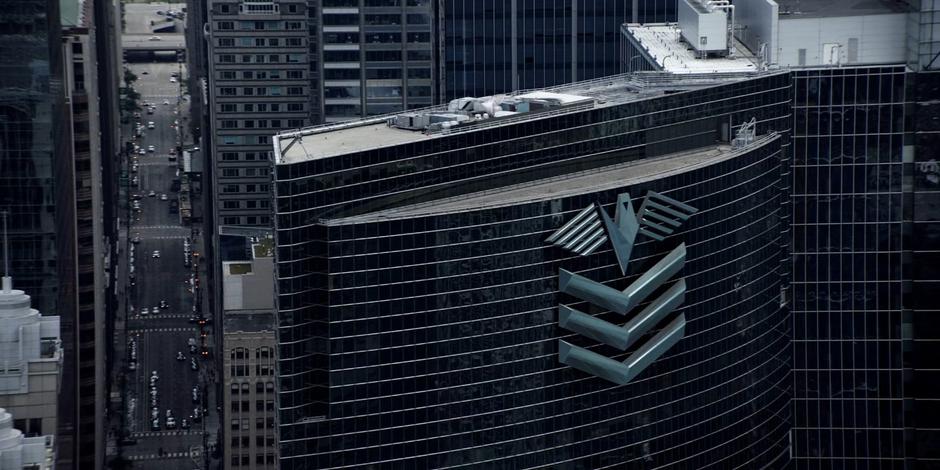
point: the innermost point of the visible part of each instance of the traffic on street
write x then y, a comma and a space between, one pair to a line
166, 374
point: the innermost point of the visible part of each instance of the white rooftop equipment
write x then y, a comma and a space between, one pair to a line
704, 24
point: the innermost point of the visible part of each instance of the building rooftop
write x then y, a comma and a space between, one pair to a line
793, 9
248, 321
610, 177
471, 114
660, 41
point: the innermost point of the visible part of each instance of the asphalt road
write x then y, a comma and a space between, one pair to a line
160, 336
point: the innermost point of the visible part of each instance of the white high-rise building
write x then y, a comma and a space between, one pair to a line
18, 452
30, 365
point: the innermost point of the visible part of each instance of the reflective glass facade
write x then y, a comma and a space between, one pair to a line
429, 338
848, 139
496, 46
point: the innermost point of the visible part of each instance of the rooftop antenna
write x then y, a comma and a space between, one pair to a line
7, 280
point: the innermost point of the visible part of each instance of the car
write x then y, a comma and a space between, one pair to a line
195, 394
156, 310
169, 413
150, 125
154, 375
172, 80
180, 356
154, 413
184, 424
166, 101
136, 239
145, 72
171, 423
151, 149
136, 115
152, 193
132, 365
156, 253
144, 311
164, 304
150, 110
197, 414
154, 38
141, 152
192, 364
163, 197
155, 425
193, 319
153, 401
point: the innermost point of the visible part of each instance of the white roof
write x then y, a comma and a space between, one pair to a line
563, 98
661, 42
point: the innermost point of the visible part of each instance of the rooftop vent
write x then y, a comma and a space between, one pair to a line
704, 24
469, 111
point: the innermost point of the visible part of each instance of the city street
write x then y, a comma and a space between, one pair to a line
160, 314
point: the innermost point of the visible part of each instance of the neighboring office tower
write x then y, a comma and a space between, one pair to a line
89, 91
258, 84
496, 46
418, 298
862, 270
31, 353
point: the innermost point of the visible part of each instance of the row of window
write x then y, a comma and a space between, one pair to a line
245, 139
244, 406
250, 220
262, 91
248, 172
262, 58
249, 204
261, 124
385, 19
374, 38
246, 156
260, 42
260, 441
375, 3
244, 460
259, 25
256, 8
260, 423
242, 370
245, 188
261, 74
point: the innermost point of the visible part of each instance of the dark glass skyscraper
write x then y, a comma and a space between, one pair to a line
36, 179
497, 46
418, 298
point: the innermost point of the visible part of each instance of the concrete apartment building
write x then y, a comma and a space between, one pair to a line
18, 452
249, 431
31, 349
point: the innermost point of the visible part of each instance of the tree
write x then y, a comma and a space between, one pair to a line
129, 77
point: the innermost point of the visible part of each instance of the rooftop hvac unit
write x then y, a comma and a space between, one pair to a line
704, 24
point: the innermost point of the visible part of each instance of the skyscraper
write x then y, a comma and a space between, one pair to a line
418, 298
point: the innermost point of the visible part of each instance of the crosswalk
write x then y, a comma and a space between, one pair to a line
166, 455
166, 237
179, 432
165, 330
158, 227
160, 316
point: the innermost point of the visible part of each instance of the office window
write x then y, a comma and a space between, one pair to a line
224, 25
226, 42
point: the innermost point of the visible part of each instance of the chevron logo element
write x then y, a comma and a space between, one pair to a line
658, 217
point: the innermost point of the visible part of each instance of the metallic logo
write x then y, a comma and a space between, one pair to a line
658, 217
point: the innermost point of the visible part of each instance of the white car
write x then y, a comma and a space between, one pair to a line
156, 254
141, 152
171, 423
144, 311
154, 38
151, 148
150, 125
152, 193
166, 101
172, 80
163, 197
156, 310
155, 425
